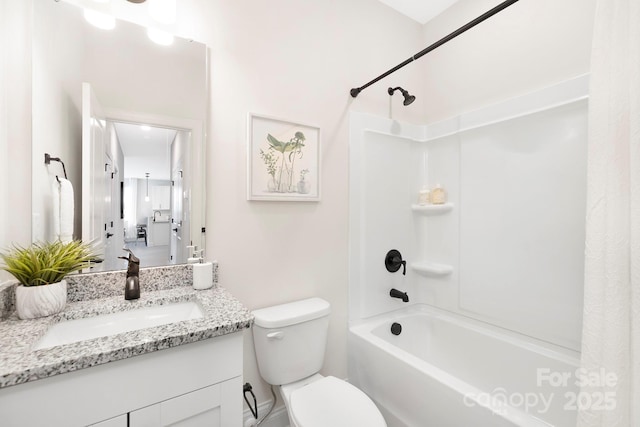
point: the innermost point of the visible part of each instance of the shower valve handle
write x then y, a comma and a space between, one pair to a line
394, 260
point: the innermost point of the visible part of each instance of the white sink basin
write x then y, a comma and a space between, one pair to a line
71, 331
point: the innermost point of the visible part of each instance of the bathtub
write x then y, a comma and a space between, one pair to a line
448, 370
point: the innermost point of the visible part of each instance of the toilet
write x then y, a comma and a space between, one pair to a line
290, 341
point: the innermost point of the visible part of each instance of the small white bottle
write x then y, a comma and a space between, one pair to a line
424, 196
193, 258
202, 273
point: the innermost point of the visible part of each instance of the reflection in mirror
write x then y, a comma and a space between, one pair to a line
155, 222
115, 106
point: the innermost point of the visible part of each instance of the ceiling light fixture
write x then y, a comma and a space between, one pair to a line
146, 198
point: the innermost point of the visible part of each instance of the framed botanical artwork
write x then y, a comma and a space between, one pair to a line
283, 160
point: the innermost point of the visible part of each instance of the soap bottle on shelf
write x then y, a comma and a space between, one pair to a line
202, 273
424, 196
438, 195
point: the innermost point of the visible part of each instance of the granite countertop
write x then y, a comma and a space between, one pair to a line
19, 363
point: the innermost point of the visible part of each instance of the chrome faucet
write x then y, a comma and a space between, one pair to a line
154, 215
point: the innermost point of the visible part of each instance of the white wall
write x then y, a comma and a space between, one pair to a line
56, 108
145, 77
522, 223
528, 46
15, 123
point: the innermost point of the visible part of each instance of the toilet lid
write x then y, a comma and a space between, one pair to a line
333, 402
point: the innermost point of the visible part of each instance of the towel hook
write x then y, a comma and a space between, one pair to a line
48, 159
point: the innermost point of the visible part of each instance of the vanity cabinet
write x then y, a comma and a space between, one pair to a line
159, 233
204, 407
209, 407
189, 385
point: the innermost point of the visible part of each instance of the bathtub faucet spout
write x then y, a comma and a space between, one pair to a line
394, 293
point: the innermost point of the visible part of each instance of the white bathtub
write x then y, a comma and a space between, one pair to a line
447, 370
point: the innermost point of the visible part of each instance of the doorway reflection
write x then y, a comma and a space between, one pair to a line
153, 211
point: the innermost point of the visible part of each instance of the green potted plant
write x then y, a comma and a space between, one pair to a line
40, 270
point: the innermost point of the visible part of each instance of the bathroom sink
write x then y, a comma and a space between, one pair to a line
71, 331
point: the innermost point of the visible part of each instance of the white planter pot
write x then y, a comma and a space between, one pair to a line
41, 301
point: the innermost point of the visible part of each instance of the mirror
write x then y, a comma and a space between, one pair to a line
114, 106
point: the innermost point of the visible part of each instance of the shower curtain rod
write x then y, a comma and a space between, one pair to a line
355, 91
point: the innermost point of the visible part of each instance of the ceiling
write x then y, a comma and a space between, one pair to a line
145, 151
421, 11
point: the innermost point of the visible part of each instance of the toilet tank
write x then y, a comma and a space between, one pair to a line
290, 339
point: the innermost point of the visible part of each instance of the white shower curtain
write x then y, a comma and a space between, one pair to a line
611, 331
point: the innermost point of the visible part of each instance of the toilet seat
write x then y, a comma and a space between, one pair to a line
333, 402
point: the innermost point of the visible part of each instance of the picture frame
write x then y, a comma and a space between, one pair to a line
283, 160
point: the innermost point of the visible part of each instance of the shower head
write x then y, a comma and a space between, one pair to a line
408, 99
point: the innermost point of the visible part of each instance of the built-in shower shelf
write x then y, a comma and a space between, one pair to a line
432, 269
432, 209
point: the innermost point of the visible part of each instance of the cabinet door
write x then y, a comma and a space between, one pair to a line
119, 421
213, 406
160, 197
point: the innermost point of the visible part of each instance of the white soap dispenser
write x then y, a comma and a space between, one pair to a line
202, 273
193, 255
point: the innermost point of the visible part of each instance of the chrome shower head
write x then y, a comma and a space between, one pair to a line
408, 99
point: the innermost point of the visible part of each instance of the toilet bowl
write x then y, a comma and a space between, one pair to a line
290, 341
329, 401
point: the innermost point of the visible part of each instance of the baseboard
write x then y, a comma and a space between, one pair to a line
277, 418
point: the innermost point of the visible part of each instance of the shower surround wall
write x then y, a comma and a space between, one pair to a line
508, 247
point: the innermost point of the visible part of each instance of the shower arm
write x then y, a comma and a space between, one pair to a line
356, 90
